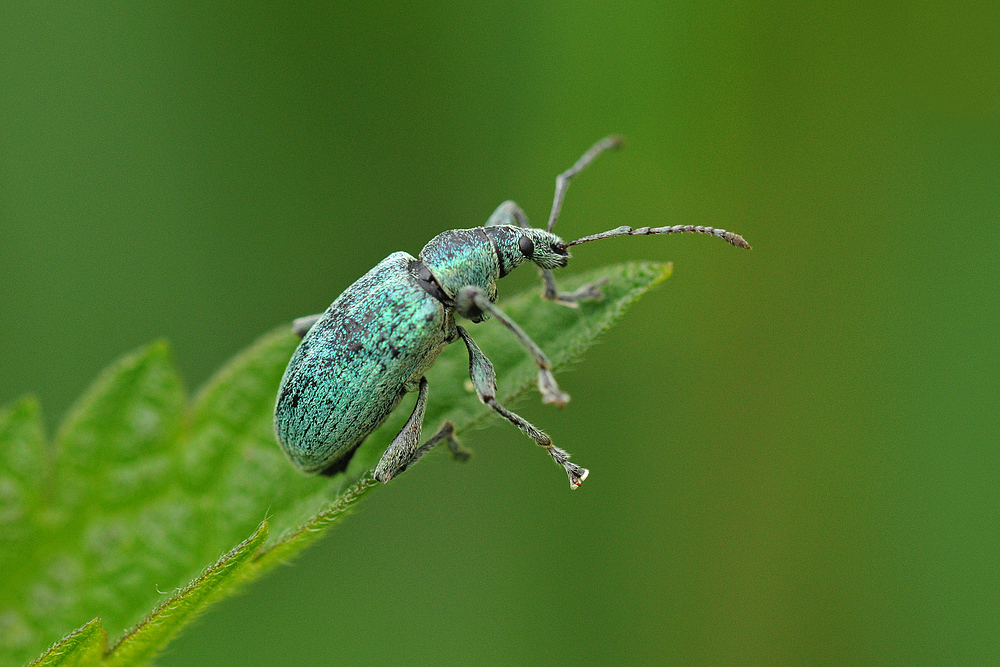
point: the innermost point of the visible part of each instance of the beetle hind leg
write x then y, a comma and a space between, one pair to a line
406, 449
445, 434
302, 325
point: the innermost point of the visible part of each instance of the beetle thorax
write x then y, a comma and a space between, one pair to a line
461, 257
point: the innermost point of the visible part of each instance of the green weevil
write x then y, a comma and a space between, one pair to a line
357, 360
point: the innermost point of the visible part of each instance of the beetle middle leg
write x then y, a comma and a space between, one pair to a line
508, 213
484, 379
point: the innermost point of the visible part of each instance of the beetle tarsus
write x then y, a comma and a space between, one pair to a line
589, 292
576, 473
551, 393
444, 434
458, 452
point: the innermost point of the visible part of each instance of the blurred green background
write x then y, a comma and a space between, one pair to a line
794, 451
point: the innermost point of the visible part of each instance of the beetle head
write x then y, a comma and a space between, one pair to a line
516, 245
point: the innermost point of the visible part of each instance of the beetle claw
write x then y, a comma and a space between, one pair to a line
577, 476
576, 473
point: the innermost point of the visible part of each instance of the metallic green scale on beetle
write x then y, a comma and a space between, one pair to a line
378, 338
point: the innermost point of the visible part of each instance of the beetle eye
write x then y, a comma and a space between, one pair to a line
527, 246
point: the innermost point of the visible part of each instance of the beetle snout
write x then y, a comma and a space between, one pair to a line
562, 255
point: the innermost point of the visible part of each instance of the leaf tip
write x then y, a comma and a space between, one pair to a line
260, 534
666, 270
155, 352
85, 645
158, 349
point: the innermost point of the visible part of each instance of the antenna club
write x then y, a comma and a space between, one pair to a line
737, 240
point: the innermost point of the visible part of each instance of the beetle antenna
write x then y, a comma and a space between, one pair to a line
729, 237
563, 179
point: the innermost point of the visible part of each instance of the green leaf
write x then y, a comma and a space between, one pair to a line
142, 642
79, 648
143, 489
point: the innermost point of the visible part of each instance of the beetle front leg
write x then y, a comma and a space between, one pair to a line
508, 213
472, 299
589, 291
484, 379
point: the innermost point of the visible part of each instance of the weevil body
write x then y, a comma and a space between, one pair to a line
378, 338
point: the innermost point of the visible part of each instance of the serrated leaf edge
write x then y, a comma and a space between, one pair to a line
208, 584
